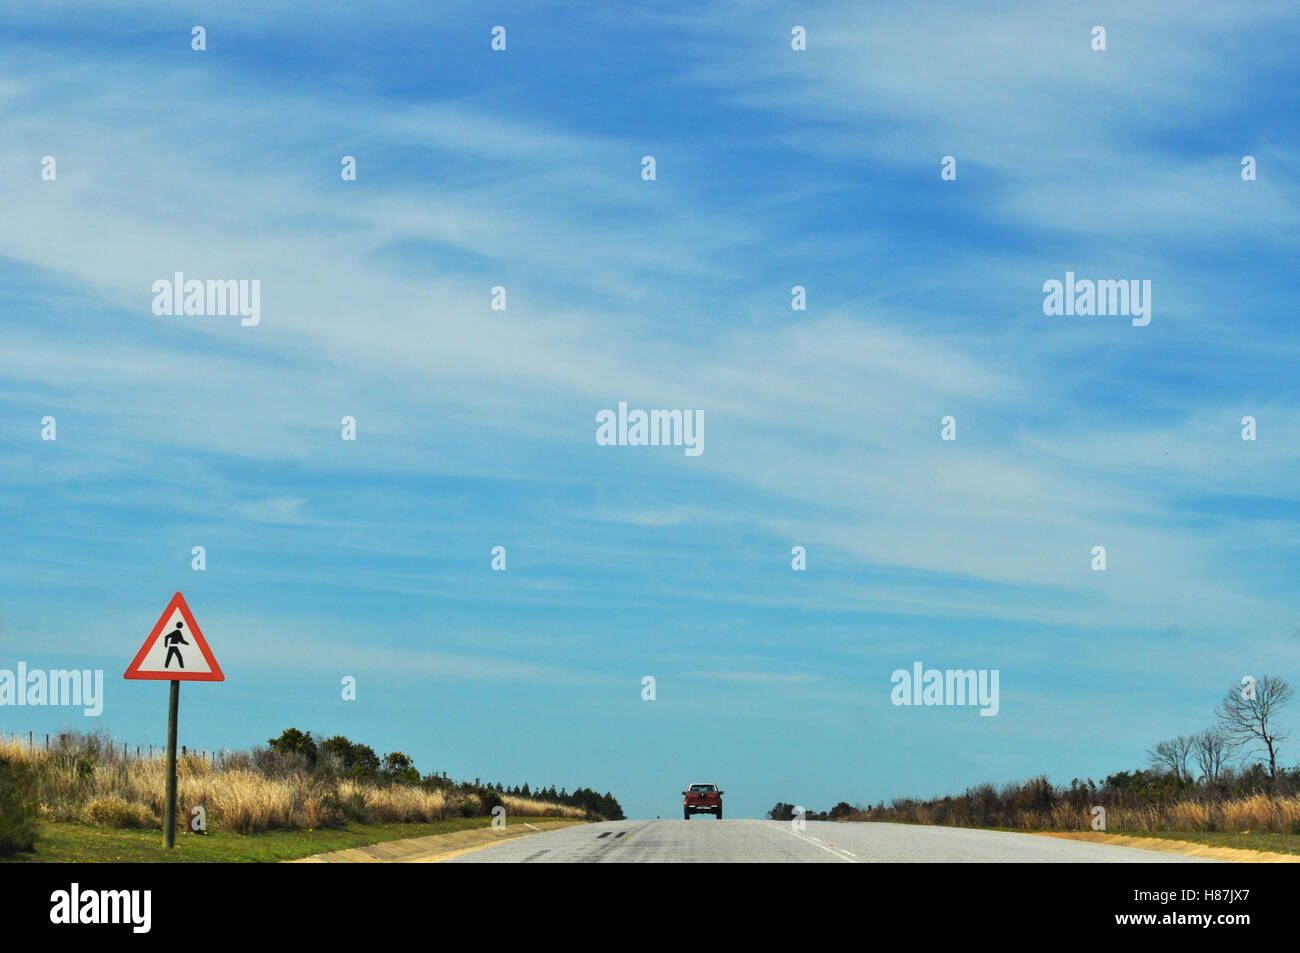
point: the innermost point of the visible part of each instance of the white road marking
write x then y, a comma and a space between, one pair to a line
809, 839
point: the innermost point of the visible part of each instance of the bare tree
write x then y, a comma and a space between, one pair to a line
1248, 714
1172, 755
1211, 749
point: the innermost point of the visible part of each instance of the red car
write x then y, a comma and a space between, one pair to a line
702, 799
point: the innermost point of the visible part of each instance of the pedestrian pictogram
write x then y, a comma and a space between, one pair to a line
170, 640
176, 649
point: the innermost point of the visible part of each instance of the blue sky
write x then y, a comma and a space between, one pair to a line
476, 427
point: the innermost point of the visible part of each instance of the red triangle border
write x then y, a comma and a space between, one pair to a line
216, 675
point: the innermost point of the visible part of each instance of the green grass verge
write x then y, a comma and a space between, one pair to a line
1277, 843
81, 843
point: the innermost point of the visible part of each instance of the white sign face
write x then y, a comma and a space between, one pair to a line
175, 651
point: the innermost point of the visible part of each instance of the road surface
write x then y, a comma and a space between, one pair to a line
753, 841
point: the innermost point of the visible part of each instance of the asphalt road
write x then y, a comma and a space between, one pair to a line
752, 841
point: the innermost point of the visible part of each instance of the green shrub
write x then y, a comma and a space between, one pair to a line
325, 808
354, 807
354, 760
19, 806
292, 741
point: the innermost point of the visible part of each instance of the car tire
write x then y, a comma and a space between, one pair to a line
718, 813
686, 815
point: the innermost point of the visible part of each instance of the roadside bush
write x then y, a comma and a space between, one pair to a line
354, 806
324, 809
116, 812
274, 763
19, 806
295, 742
354, 760
240, 760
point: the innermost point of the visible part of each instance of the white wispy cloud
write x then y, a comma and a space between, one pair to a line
831, 419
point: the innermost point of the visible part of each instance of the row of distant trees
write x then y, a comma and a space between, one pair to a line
786, 812
1237, 756
1246, 724
338, 755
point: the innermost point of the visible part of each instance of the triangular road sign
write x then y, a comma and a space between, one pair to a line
176, 649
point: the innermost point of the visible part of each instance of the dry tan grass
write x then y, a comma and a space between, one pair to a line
396, 803
113, 811
112, 791
1263, 813
1258, 812
529, 807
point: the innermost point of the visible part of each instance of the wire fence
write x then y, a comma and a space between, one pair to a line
112, 750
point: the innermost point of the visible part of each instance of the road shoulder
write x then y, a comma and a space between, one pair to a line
1190, 848
434, 847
